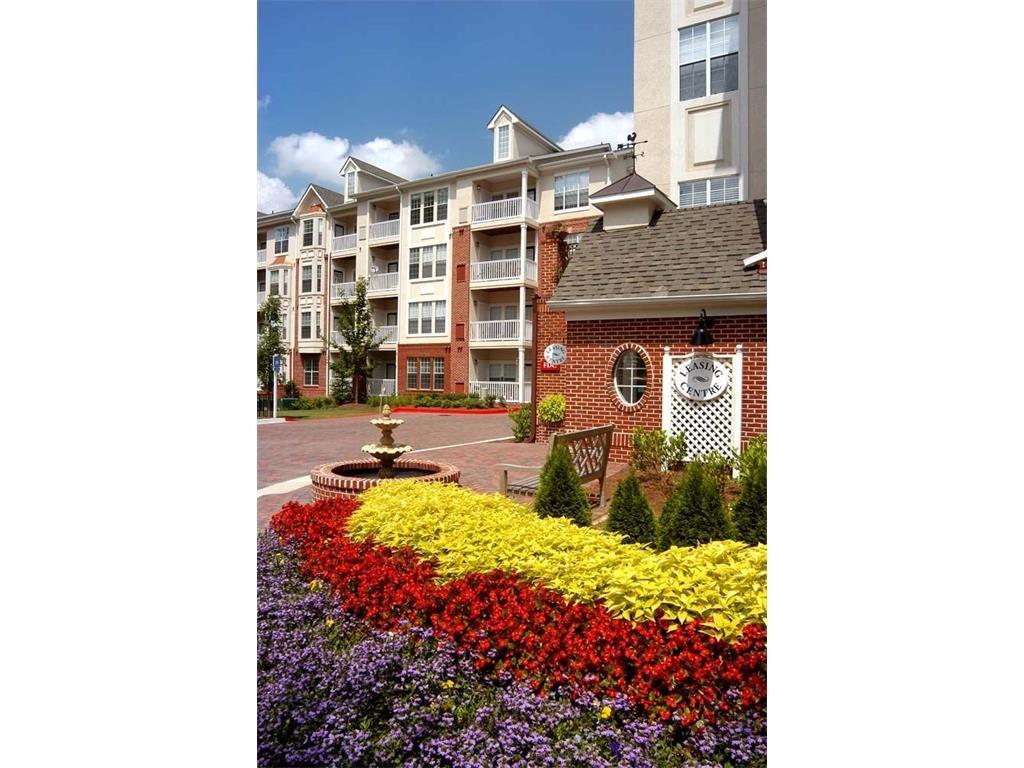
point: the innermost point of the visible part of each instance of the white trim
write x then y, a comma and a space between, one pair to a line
737, 397
755, 258
598, 200
695, 297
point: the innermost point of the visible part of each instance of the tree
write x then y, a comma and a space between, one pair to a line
630, 513
359, 338
693, 513
560, 493
269, 343
750, 512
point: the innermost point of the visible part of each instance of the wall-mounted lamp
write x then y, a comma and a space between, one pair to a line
702, 336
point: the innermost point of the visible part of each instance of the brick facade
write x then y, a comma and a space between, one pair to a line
405, 351
458, 380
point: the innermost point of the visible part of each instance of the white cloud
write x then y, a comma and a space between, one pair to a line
315, 157
263, 103
599, 129
273, 194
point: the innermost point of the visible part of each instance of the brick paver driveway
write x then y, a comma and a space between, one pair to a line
290, 450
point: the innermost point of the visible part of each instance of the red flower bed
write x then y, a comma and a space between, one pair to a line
529, 631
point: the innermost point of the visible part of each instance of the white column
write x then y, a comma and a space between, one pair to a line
666, 390
522, 251
522, 193
522, 373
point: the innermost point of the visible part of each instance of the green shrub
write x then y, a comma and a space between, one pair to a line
291, 389
286, 403
693, 513
521, 422
675, 451
551, 409
630, 513
719, 467
561, 493
750, 512
652, 449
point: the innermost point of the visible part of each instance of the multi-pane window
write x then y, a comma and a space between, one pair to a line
305, 329
284, 281
439, 316
318, 329
350, 184
307, 232
410, 374
427, 317
723, 189
630, 377
503, 137
428, 261
275, 282
311, 370
709, 58
424, 373
307, 278
414, 318
438, 373
319, 277
319, 231
281, 240
572, 190
427, 207
501, 372
418, 373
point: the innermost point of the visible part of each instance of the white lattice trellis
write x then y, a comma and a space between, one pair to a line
712, 425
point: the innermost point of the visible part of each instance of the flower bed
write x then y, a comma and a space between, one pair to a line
527, 631
333, 690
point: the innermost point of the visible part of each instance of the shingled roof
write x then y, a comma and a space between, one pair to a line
690, 251
633, 182
329, 196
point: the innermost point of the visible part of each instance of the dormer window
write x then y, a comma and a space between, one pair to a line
350, 184
503, 141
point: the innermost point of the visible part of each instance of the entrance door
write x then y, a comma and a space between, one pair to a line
392, 266
392, 319
389, 371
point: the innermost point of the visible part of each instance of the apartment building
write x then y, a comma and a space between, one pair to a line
451, 262
700, 98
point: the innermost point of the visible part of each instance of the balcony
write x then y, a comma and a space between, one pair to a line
261, 257
499, 330
501, 271
343, 243
383, 282
387, 335
376, 387
384, 230
342, 291
261, 296
337, 339
508, 391
508, 211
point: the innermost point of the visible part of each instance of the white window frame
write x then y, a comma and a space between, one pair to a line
424, 313
350, 184
281, 235
581, 189
438, 207
412, 370
274, 283
708, 28
308, 373
307, 231
712, 191
504, 134
632, 386
438, 371
427, 258
305, 325
302, 279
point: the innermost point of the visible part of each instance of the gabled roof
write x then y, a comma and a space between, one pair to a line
687, 253
634, 182
516, 118
329, 196
373, 170
631, 187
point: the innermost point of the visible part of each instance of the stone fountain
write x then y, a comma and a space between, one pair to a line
350, 478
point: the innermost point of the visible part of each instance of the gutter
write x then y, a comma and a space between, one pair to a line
697, 298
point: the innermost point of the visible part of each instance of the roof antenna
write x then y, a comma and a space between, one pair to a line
630, 144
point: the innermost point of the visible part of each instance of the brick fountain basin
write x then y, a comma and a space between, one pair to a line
347, 479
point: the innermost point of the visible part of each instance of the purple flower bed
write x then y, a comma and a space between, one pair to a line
332, 691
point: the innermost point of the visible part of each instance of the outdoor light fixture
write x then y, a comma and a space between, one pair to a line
702, 336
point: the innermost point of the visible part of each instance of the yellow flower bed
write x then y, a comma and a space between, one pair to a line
723, 583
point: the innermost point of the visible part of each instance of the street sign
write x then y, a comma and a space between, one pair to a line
277, 363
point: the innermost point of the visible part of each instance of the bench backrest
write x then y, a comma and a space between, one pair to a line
589, 449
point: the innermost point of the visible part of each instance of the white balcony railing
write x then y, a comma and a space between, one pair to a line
509, 391
499, 330
501, 269
336, 338
342, 291
387, 334
384, 229
261, 257
375, 386
509, 208
343, 243
531, 270
384, 281
261, 296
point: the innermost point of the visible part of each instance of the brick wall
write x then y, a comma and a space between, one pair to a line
458, 380
585, 378
405, 351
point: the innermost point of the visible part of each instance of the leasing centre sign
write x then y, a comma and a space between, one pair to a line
702, 378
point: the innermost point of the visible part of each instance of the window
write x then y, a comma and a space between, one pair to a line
305, 328
630, 377
284, 281
319, 231
438, 373
439, 316
414, 318
724, 189
307, 233
410, 373
428, 261
709, 58
424, 373
572, 190
275, 278
319, 277
427, 317
414, 263
503, 134
339, 229
318, 333
311, 370
501, 372
281, 239
307, 278
350, 185
427, 207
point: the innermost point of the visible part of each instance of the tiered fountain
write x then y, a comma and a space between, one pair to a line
350, 478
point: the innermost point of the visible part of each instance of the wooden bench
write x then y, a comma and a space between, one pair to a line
589, 449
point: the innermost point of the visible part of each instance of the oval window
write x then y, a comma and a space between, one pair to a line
630, 377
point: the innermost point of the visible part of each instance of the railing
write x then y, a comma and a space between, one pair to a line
261, 296
496, 330
386, 281
387, 334
261, 256
531, 270
382, 229
509, 208
374, 387
506, 390
502, 269
344, 242
342, 291
336, 338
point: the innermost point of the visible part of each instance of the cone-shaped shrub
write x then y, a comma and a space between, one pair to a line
750, 512
630, 514
693, 513
561, 493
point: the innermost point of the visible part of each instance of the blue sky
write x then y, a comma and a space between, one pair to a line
410, 86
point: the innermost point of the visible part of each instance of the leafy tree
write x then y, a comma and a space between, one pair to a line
269, 343
750, 512
630, 513
561, 493
359, 337
693, 513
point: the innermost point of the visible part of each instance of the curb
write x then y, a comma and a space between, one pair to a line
479, 411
